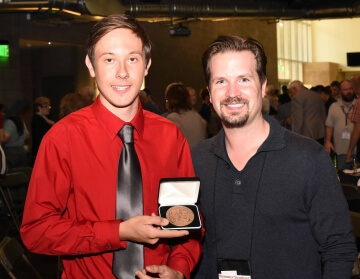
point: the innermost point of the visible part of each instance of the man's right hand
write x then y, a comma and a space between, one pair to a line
146, 229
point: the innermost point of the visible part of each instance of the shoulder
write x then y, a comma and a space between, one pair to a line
159, 125
75, 120
203, 148
298, 144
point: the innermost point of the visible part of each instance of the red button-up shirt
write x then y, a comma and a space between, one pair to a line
70, 206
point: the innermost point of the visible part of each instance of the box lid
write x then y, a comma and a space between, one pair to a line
177, 191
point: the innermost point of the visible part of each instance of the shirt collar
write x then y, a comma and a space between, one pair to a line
274, 141
112, 124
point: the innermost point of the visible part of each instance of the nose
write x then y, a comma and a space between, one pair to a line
122, 71
233, 90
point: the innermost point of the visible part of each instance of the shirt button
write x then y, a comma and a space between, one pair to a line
109, 246
237, 182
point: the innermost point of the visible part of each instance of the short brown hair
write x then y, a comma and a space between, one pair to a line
235, 44
113, 22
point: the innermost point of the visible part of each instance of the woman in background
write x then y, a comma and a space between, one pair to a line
191, 124
40, 123
15, 135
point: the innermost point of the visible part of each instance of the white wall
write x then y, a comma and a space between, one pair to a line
332, 39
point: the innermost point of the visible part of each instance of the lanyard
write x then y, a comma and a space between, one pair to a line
346, 113
254, 210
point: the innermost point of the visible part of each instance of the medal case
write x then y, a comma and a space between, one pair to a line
174, 195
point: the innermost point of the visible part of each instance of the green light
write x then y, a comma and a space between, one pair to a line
281, 68
4, 51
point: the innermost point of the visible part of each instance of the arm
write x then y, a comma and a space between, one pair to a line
49, 224
328, 135
355, 136
296, 115
330, 220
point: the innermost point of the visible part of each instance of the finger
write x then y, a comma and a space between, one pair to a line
172, 233
141, 274
157, 269
157, 220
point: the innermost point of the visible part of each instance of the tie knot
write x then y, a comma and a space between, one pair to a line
127, 134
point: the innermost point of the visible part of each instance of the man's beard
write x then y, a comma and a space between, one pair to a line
234, 119
348, 98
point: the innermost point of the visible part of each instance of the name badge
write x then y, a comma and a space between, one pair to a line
225, 276
345, 135
233, 269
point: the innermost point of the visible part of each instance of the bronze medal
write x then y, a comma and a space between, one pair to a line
179, 215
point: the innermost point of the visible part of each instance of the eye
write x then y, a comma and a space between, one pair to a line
220, 81
243, 79
109, 60
133, 59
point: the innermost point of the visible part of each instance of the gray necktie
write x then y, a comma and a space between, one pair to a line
129, 203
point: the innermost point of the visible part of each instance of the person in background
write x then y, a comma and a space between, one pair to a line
355, 118
191, 124
208, 113
88, 93
147, 104
148, 94
307, 112
339, 126
71, 205
71, 102
205, 110
15, 134
271, 199
284, 111
325, 94
40, 122
272, 98
355, 81
193, 97
335, 89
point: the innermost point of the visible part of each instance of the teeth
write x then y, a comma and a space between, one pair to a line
120, 87
235, 105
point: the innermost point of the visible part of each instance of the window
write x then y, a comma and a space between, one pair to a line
294, 48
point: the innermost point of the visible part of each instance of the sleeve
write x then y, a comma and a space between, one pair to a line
330, 119
355, 114
297, 115
185, 253
9, 127
47, 227
330, 220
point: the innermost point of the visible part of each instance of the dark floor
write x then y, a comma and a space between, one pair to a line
45, 265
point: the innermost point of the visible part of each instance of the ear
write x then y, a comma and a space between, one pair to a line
263, 88
147, 67
208, 88
89, 66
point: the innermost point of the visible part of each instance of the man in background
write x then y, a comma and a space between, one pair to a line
338, 124
307, 112
88, 94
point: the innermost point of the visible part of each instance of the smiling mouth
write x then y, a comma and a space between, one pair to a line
235, 105
120, 88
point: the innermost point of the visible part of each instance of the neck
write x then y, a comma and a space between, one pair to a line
346, 103
242, 143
